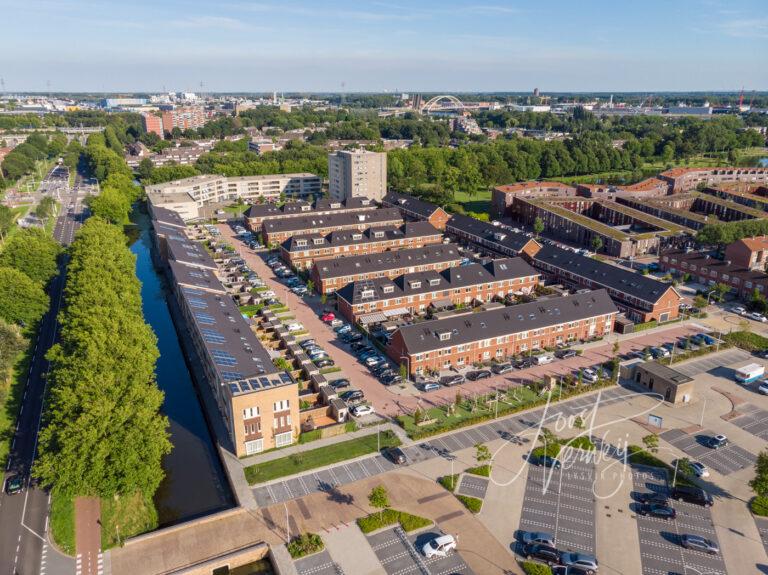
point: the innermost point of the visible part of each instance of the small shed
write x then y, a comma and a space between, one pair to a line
673, 386
339, 410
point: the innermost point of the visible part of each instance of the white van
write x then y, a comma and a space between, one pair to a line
543, 359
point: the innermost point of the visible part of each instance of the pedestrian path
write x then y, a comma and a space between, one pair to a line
89, 560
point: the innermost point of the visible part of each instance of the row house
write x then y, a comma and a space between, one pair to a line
277, 231
641, 298
300, 252
496, 239
256, 214
331, 275
499, 334
375, 300
708, 271
417, 209
686, 179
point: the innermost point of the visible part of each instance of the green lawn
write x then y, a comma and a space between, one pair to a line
125, 517
63, 521
387, 517
319, 457
472, 503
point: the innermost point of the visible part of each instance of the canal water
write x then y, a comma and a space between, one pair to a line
195, 483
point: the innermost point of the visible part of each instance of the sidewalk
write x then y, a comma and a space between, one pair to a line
299, 447
88, 559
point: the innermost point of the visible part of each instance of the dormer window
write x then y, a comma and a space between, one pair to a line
414, 284
444, 335
389, 289
357, 237
319, 241
335, 205
367, 294
378, 234
306, 208
434, 282
301, 243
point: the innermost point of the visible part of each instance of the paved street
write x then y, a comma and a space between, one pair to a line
443, 446
660, 549
724, 460
753, 419
729, 357
24, 547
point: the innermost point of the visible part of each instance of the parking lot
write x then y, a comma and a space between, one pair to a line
399, 554
473, 486
709, 363
753, 419
562, 502
762, 527
317, 564
725, 460
660, 549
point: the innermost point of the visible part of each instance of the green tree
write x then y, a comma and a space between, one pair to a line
22, 300
379, 498
32, 252
685, 468
759, 483
700, 302
720, 290
110, 205
310, 286
145, 170
12, 342
538, 226
6, 220
651, 442
597, 243
403, 371
482, 453
46, 208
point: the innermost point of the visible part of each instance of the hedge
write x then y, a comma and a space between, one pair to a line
640, 456
481, 470
449, 481
746, 340
532, 568
759, 506
472, 503
550, 449
305, 544
387, 517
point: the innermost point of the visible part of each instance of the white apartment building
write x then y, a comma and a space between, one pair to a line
357, 173
188, 195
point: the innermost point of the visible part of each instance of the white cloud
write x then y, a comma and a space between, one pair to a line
208, 22
745, 28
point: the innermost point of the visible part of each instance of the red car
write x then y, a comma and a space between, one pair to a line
329, 316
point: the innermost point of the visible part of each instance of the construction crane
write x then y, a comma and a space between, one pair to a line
741, 97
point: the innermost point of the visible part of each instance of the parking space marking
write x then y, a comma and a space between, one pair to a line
399, 554
725, 460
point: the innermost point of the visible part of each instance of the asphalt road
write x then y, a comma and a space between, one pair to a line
24, 548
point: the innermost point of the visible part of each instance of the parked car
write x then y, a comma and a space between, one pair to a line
540, 537
352, 337
478, 374
546, 461
698, 339
299, 290
439, 546
589, 375
342, 328
324, 362
699, 543
372, 360
352, 395
658, 510
339, 383
361, 410
546, 553
450, 380
708, 339
500, 368
763, 387
336, 322
757, 317
307, 343
653, 497
739, 310
430, 386
699, 469
395, 455
658, 352
14, 484
717, 441
294, 326
565, 353
571, 570
543, 359
583, 560
328, 316
523, 363
392, 379
692, 494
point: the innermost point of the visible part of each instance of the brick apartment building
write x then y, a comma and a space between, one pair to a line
415, 209
686, 179
641, 298
300, 252
258, 403
499, 240
502, 197
375, 299
184, 118
331, 275
464, 340
277, 231
153, 123
750, 253
258, 213
708, 271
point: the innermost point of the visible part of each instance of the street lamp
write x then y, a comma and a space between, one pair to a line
710, 295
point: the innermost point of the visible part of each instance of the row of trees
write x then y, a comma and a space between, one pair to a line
21, 160
103, 434
728, 232
118, 190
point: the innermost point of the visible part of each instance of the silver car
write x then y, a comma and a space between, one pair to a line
531, 537
698, 543
583, 560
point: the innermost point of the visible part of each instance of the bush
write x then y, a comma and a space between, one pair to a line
307, 436
532, 568
387, 517
472, 503
746, 340
482, 470
581, 442
449, 481
551, 449
305, 544
759, 506
640, 456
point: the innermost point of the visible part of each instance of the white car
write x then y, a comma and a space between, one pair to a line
267, 294
757, 317
439, 546
294, 326
699, 469
360, 410
589, 374
763, 387
739, 310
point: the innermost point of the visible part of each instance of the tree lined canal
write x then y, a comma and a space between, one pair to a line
195, 482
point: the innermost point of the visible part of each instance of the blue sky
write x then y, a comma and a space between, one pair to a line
415, 45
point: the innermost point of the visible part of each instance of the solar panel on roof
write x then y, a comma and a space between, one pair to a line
205, 318
286, 378
221, 357
197, 303
191, 291
212, 336
231, 375
264, 381
233, 388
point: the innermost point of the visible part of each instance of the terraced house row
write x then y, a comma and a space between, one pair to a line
276, 231
331, 275
499, 334
301, 251
256, 214
258, 402
376, 300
